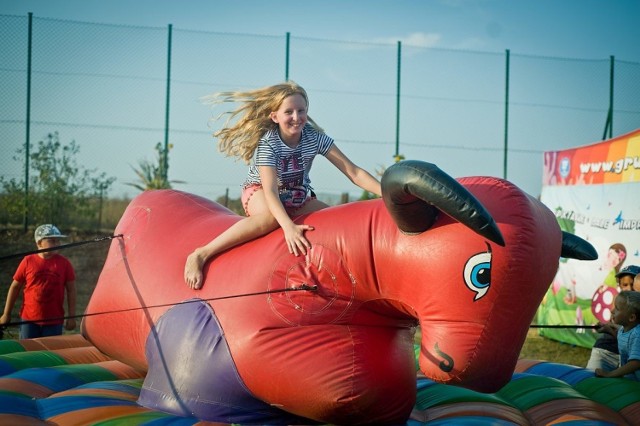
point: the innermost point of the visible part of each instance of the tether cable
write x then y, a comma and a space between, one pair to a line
303, 287
563, 326
60, 247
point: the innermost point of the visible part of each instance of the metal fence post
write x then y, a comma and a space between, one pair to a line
165, 160
397, 153
608, 125
286, 56
506, 115
27, 141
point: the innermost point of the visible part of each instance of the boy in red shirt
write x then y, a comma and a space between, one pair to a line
44, 277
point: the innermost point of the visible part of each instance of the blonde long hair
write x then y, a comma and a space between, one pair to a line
246, 124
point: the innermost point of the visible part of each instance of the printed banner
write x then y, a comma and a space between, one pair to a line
613, 161
595, 193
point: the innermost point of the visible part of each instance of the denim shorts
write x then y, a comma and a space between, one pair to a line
31, 330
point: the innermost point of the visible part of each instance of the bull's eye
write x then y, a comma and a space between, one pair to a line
477, 274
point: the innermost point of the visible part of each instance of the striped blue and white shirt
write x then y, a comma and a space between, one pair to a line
292, 164
629, 346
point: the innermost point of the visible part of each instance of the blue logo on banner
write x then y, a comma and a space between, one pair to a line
564, 167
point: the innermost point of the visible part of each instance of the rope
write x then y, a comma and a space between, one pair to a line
303, 287
563, 326
60, 247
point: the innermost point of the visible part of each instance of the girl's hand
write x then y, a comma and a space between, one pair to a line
296, 241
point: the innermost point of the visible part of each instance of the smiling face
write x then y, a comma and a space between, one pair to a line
291, 117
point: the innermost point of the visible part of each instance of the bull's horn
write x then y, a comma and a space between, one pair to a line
575, 247
414, 192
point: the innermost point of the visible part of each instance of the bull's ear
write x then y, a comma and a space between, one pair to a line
574, 247
414, 192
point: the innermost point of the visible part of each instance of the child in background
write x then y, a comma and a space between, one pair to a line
627, 317
604, 354
275, 134
44, 277
627, 276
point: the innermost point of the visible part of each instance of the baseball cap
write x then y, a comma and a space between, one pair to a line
47, 231
629, 270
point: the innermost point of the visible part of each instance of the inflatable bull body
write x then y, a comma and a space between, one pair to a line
328, 337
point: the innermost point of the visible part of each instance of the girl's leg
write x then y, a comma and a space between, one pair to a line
311, 206
260, 223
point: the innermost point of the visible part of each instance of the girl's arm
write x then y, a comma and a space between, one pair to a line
357, 175
293, 233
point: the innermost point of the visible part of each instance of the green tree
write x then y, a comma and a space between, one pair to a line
154, 174
60, 190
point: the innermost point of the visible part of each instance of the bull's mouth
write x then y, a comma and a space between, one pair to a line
465, 354
448, 350
440, 360
447, 363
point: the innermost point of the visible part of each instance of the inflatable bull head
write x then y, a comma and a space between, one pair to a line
329, 337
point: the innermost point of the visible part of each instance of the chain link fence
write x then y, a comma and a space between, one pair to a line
119, 90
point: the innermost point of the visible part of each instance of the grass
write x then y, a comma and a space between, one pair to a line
89, 259
538, 347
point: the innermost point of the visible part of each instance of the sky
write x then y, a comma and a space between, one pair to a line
584, 29
565, 28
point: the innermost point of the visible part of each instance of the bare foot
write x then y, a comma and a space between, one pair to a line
193, 271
